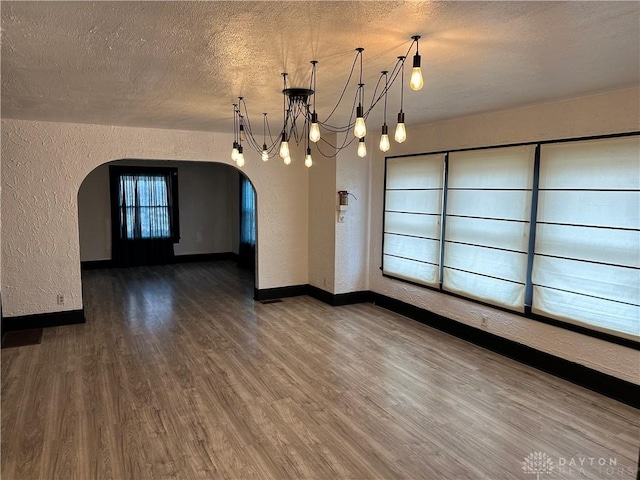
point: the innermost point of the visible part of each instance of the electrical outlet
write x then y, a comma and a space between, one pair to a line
60, 299
484, 322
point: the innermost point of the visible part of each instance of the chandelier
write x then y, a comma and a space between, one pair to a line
301, 121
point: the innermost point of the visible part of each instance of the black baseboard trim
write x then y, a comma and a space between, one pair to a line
43, 320
608, 385
96, 264
195, 257
320, 294
279, 292
205, 257
334, 300
340, 299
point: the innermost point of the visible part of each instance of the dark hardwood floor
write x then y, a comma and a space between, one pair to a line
178, 373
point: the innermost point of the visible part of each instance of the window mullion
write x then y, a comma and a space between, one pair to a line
443, 218
528, 292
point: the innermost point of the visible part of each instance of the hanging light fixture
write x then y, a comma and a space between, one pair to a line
265, 152
384, 137
416, 82
308, 161
284, 146
301, 120
362, 148
234, 149
401, 131
314, 129
240, 160
360, 129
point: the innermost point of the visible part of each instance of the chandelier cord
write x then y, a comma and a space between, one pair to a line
235, 121
386, 87
344, 90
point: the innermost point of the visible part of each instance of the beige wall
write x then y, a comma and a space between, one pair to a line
43, 166
208, 202
352, 235
592, 115
322, 219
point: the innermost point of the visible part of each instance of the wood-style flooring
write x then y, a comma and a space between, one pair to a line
178, 373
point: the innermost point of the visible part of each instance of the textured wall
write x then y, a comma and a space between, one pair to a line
352, 235
208, 209
597, 114
322, 219
43, 166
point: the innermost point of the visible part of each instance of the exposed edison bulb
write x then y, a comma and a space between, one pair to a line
308, 161
360, 129
243, 137
416, 82
265, 153
314, 130
362, 148
284, 150
234, 152
240, 161
385, 145
401, 131
287, 160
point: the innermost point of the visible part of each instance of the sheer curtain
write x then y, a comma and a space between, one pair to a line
247, 250
144, 225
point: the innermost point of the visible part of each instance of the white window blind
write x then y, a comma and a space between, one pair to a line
488, 214
413, 209
587, 252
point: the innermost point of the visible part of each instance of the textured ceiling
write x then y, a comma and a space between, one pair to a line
182, 64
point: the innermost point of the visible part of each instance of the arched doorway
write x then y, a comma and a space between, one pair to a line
211, 210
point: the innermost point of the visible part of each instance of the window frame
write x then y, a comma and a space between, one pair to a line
578, 327
116, 171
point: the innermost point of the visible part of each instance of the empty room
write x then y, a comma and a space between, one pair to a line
320, 240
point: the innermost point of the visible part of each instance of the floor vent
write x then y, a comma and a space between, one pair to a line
267, 302
22, 338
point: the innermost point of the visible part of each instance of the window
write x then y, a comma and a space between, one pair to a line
144, 206
461, 222
144, 215
412, 218
247, 247
586, 266
488, 213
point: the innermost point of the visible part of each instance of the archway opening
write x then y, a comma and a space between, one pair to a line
216, 213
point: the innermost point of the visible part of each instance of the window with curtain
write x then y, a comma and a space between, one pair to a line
586, 266
144, 206
247, 249
461, 222
487, 224
144, 215
413, 202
